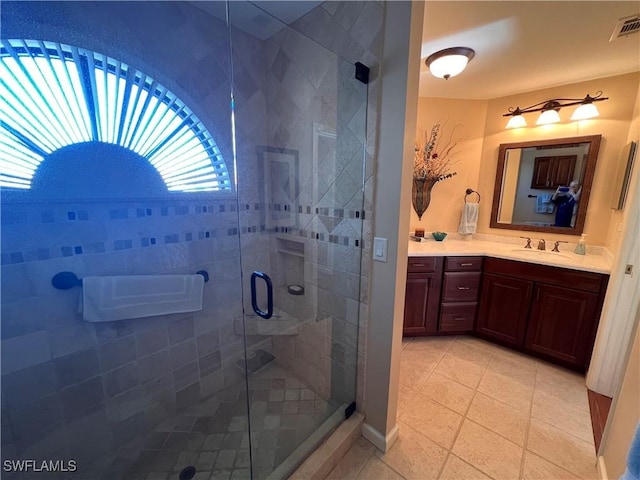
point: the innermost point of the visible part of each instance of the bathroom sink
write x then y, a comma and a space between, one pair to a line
540, 253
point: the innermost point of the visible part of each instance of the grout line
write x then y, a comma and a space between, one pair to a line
526, 433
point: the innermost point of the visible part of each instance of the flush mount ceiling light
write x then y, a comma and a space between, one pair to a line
550, 110
449, 62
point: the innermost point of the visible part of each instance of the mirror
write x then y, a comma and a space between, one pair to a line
544, 185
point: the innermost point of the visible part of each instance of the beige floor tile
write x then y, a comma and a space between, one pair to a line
413, 455
507, 390
448, 392
524, 373
430, 344
406, 341
466, 351
556, 411
537, 468
463, 371
376, 469
433, 420
476, 342
414, 374
515, 356
567, 385
456, 469
499, 417
353, 461
562, 449
488, 452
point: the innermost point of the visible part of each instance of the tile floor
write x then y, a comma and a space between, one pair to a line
469, 409
213, 435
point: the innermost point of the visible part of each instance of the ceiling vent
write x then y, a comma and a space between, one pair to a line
626, 26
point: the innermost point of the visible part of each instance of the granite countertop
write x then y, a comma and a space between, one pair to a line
600, 262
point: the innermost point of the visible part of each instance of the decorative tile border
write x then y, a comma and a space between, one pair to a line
109, 214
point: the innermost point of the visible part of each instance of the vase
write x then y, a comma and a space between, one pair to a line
421, 194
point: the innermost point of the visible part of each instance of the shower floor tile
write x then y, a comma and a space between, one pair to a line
213, 435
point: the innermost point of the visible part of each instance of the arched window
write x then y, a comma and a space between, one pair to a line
56, 95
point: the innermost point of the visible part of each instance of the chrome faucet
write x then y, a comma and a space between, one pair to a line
528, 245
541, 244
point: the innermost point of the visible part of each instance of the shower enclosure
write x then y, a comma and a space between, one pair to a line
169, 138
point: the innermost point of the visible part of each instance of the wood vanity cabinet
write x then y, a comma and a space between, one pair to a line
422, 298
547, 311
504, 309
460, 290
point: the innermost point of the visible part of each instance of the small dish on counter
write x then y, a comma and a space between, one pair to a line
438, 236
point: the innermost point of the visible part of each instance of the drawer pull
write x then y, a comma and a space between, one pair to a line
459, 319
417, 264
464, 288
466, 264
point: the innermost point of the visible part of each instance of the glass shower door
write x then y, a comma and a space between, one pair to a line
300, 117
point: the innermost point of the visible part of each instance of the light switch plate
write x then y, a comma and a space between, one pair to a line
380, 249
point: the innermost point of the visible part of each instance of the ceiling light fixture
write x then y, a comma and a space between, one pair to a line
549, 110
449, 62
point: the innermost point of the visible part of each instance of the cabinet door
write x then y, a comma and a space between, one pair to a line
541, 172
503, 309
562, 170
421, 304
562, 323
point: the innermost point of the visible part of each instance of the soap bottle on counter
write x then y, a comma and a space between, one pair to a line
581, 247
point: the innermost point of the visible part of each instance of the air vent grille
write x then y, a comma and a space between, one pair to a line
626, 26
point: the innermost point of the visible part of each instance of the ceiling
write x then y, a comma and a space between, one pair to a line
527, 45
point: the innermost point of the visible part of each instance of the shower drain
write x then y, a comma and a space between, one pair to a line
187, 473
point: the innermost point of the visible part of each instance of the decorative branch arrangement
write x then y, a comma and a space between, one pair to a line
433, 160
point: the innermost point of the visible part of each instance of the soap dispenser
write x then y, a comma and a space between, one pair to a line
581, 247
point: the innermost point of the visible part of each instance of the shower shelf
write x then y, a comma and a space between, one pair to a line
290, 247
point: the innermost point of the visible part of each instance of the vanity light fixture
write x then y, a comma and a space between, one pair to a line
449, 62
549, 110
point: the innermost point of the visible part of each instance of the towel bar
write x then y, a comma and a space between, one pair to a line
67, 280
468, 192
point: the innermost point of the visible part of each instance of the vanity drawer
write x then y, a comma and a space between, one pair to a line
461, 286
457, 317
424, 264
463, 264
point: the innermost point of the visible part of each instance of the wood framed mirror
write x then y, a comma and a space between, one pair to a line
544, 185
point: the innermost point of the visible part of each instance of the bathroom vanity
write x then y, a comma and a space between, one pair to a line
526, 300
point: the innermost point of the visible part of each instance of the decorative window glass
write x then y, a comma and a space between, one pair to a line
56, 95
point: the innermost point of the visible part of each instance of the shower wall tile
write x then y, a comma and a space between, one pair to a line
24, 351
77, 367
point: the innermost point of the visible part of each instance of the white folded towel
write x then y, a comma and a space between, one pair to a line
469, 219
543, 203
105, 299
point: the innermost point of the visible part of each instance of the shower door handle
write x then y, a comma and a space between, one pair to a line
254, 300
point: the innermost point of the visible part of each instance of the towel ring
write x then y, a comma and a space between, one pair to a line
67, 280
469, 192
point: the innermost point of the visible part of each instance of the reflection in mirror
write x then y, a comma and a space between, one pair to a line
544, 185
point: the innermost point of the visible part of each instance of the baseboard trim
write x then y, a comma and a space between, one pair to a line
602, 468
380, 441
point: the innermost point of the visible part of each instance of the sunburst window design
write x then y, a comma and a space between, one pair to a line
56, 95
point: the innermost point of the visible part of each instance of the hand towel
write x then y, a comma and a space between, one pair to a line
543, 203
106, 299
469, 219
